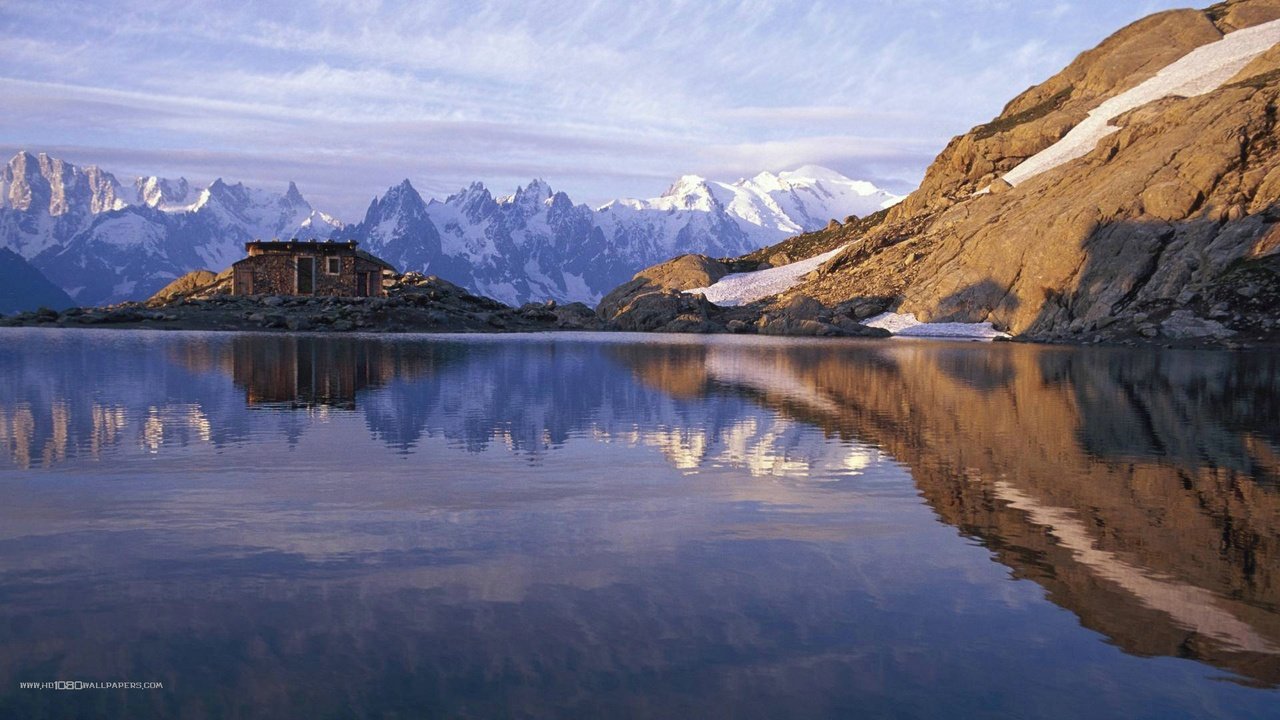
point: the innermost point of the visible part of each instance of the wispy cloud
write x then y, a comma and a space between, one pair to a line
602, 98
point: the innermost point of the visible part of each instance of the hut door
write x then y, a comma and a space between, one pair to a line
362, 284
242, 281
306, 275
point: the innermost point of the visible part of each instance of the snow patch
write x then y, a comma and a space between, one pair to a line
908, 326
1200, 71
741, 288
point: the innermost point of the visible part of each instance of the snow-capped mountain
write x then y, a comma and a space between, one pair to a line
537, 244
532, 245
103, 241
779, 205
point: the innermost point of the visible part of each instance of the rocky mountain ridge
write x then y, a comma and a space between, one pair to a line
103, 241
537, 244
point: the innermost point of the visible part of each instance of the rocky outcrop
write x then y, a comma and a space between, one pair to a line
803, 316
192, 282
652, 299
1152, 236
655, 301
1042, 114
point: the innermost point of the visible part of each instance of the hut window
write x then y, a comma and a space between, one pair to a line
333, 266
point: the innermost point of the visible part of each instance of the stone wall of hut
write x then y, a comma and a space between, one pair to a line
277, 273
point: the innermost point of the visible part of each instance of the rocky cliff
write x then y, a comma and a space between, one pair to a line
1164, 229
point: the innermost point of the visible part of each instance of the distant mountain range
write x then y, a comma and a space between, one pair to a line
104, 241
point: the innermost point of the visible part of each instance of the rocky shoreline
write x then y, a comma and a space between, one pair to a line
415, 304
653, 302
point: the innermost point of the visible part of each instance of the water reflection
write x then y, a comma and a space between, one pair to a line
1139, 489
578, 525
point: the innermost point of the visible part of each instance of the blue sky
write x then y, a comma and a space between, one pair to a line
602, 99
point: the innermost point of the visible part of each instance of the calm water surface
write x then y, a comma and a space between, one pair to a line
623, 526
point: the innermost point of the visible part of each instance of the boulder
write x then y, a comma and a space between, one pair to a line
999, 186
683, 273
576, 316
663, 310
1184, 325
1170, 200
802, 307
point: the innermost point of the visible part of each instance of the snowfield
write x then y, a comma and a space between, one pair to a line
1200, 71
742, 288
908, 326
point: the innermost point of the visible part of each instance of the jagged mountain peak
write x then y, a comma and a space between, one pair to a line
536, 192
292, 196
43, 183
691, 192
404, 195
469, 195
24, 159
222, 186
105, 243
162, 193
685, 184
474, 201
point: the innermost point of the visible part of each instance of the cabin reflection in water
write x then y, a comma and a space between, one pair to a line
307, 371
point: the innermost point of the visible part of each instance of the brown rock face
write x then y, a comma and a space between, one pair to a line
1243, 13
684, 273
1041, 115
1168, 214
652, 300
185, 285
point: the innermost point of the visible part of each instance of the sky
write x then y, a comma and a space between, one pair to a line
602, 99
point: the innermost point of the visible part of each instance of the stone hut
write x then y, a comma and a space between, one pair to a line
297, 267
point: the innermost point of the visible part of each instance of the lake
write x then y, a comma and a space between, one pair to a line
635, 526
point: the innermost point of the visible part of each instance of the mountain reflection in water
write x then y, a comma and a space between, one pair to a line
612, 525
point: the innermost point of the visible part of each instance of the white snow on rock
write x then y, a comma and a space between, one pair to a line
908, 326
1200, 71
741, 288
